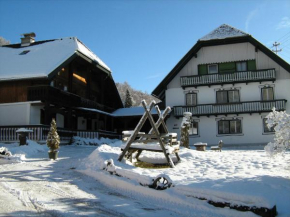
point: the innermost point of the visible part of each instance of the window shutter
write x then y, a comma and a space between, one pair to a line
252, 65
202, 69
227, 67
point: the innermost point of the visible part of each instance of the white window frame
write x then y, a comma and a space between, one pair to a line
217, 68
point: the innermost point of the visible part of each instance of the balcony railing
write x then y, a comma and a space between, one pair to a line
231, 108
63, 98
228, 78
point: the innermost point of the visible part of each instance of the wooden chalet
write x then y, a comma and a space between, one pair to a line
61, 79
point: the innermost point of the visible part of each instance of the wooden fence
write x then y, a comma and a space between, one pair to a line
8, 133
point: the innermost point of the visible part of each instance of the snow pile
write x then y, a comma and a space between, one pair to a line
95, 141
6, 156
239, 177
20, 153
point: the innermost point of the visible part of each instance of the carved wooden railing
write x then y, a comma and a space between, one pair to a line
231, 108
235, 77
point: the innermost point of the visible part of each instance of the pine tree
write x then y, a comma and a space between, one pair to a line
128, 100
53, 139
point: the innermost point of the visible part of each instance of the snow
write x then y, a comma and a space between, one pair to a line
34, 64
122, 112
133, 111
23, 130
77, 184
222, 32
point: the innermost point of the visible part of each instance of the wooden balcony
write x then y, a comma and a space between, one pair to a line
231, 108
228, 78
62, 98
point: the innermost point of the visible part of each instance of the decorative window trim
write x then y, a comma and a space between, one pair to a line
191, 91
227, 88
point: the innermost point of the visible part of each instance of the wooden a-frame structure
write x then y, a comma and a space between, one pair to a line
167, 141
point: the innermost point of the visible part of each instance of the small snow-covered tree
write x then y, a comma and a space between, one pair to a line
281, 123
53, 139
185, 125
128, 100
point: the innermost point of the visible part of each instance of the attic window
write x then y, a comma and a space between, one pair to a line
24, 52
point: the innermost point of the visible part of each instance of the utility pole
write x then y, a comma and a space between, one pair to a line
276, 47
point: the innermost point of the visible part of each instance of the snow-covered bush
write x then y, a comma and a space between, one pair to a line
184, 134
281, 123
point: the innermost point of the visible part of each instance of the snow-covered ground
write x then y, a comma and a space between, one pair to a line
76, 183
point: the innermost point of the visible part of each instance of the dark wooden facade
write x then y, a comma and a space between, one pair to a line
76, 84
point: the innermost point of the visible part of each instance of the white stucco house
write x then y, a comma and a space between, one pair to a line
229, 81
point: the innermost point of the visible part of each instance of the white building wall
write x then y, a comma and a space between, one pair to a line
14, 114
252, 130
35, 114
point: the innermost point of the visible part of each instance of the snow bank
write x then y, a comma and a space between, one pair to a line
239, 177
95, 141
20, 153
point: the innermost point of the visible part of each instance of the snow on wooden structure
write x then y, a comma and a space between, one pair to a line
154, 140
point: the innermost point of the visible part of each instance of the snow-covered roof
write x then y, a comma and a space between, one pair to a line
133, 111
223, 31
122, 112
41, 58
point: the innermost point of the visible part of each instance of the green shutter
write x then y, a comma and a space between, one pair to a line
227, 67
252, 65
202, 69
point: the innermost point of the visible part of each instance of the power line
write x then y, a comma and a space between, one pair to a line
283, 36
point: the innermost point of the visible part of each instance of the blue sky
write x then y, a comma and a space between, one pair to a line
141, 41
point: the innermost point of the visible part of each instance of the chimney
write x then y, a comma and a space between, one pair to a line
27, 39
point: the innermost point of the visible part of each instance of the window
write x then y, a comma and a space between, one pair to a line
24, 52
227, 96
191, 99
212, 69
229, 127
193, 129
267, 93
266, 128
241, 66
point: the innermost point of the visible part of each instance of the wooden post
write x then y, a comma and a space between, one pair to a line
155, 130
